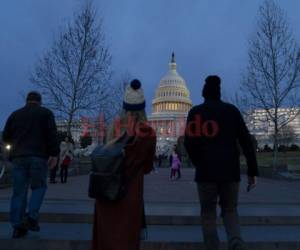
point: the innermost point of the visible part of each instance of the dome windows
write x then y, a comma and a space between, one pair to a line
172, 94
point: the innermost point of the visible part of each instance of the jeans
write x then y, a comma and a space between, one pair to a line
227, 193
53, 174
27, 171
64, 169
178, 173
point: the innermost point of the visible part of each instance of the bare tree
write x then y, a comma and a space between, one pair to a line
113, 105
272, 80
74, 74
119, 91
286, 136
100, 119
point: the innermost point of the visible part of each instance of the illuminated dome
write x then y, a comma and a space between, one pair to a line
172, 95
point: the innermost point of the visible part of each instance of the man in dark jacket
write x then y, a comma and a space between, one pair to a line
213, 131
31, 132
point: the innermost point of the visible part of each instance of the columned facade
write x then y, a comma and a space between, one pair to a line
170, 107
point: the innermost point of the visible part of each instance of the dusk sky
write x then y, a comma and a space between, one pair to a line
207, 36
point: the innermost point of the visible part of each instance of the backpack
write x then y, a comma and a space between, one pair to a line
107, 179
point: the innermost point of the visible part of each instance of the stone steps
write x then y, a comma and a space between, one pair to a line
74, 211
165, 219
54, 236
270, 216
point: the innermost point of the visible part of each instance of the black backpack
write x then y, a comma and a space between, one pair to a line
107, 179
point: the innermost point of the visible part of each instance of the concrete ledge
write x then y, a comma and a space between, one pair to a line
84, 245
165, 220
25, 244
78, 237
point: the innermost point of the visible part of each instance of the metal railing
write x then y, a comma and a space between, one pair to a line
2, 169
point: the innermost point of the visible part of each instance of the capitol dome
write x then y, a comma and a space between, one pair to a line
172, 94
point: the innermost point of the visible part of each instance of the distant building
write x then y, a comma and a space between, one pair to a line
263, 129
170, 107
84, 126
76, 128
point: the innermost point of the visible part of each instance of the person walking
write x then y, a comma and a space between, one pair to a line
213, 131
66, 157
160, 159
118, 224
175, 164
31, 132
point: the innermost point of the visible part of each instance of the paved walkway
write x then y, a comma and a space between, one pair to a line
165, 197
159, 189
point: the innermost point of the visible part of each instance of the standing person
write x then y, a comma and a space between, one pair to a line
160, 160
66, 157
32, 134
53, 172
175, 163
118, 224
155, 162
213, 131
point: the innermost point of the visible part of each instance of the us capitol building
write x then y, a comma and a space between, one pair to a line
170, 107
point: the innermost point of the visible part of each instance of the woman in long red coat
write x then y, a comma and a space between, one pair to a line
117, 225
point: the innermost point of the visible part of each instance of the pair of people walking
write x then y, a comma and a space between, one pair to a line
32, 133
65, 158
215, 154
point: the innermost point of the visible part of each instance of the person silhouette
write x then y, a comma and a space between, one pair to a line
31, 132
213, 131
118, 224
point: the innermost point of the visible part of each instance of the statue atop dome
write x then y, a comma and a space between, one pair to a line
173, 63
173, 58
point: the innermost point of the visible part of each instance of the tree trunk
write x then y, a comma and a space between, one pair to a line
275, 149
69, 125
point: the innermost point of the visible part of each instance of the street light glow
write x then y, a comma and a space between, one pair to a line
8, 147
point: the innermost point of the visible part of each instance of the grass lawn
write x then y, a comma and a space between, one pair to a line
291, 159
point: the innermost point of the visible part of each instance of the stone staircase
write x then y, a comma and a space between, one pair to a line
67, 225
77, 237
270, 216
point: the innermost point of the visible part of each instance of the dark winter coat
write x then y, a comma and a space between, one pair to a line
31, 131
117, 225
213, 147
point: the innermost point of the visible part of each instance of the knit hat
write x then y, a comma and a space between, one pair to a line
212, 88
134, 97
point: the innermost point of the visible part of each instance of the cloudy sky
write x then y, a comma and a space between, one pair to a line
208, 37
